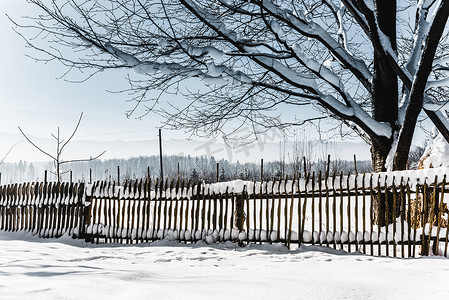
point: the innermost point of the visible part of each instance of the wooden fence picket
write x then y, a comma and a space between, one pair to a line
364, 214
402, 200
439, 214
356, 212
320, 209
341, 211
313, 208
334, 212
348, 211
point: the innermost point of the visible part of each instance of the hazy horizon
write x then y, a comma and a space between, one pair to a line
267, 147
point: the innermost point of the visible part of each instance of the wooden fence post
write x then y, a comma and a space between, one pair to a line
84, 212
239, 213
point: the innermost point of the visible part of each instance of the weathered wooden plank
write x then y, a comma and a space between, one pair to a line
155, 227
380, 212
170, 208
164, 228
334, 211
278, 231
440, 211
271, 218
226, 214
248, 214
348, 213
434, 205
209, 211
409, 220
387, 218
304, 210
320, 209
341, 211
181, 209
291, 212
188, 201
175, 213
313, 208
232, 223
132, 211
416, 218
425, 218
364, 214
129, 214
356, 212
285, 197
267, 211
201, 212
194, 215
254, 213
139, 212
402, 197
327, 209
393, 188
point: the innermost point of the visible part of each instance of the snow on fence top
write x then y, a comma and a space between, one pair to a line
337, 182
39, 193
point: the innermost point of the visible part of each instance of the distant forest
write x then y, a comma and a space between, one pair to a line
186, 167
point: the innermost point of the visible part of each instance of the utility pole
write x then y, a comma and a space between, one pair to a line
218, 171
160, 153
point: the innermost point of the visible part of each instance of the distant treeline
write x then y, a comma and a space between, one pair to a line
186, 167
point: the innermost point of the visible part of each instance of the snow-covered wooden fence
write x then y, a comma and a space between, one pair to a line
336, 211
45, 209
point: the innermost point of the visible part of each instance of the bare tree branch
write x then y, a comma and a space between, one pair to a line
36, 146
82, 160
60, 145
9, 151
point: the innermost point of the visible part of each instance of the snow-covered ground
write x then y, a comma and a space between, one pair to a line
32, 268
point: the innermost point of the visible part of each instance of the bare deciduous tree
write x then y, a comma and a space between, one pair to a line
373, 65
60, 145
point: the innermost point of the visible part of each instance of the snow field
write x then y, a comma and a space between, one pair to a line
71, 269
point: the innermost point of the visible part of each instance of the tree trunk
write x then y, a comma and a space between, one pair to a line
383, 198
385, 104
419, 84
385, 81
379, 153
385, 85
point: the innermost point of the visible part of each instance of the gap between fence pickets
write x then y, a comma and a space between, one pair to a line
351, 181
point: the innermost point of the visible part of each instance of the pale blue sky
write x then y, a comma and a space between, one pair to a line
32, 97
